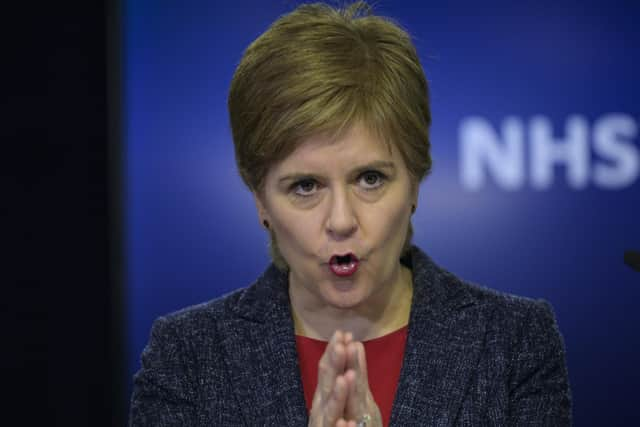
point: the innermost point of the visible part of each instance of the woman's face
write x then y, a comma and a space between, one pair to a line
340, 211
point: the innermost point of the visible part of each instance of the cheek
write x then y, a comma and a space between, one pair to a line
295, 232
389, 221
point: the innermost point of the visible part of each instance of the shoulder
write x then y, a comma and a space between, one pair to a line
187, 342
262, 301
503, 313
525, 328
524, 322
208, 311
508, 308
519, 331
517, 348
523, 347
184, 361
200, 322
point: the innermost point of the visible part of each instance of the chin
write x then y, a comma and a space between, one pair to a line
344, 303
345, 296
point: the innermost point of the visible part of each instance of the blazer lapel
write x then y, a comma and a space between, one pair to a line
446, 334
261, 356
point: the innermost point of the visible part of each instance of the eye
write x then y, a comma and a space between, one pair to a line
371, 180
305, 187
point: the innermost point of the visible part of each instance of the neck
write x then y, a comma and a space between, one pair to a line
383, 312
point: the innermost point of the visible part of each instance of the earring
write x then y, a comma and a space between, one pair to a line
413, 209
266, 224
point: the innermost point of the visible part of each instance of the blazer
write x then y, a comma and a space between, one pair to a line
473, 357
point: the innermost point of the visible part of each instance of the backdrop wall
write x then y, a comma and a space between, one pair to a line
535, 188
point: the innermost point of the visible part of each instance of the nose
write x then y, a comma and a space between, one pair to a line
341, 220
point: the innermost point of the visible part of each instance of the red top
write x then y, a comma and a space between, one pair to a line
384, 360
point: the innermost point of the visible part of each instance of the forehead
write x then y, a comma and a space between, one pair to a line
355, 147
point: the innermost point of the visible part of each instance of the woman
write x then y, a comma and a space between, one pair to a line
351, 325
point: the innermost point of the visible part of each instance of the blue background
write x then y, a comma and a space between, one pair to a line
192, 230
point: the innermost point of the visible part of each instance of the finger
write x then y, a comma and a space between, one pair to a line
351, 361
361, 360
350, 378
332, 364
356, 359
337, 355
336, 403
359, 399
355, 405
348, 337
357, 380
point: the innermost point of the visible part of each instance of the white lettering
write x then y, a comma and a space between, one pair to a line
482, 150
486, 153
611, 141
547, 152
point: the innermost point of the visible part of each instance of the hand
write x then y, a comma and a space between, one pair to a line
330, 398
359, 399
342, 394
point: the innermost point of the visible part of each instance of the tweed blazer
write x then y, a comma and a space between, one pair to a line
473, 357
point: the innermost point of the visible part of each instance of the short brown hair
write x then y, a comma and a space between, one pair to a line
320, 70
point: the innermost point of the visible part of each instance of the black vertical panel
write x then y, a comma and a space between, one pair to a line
61, 112
116, 162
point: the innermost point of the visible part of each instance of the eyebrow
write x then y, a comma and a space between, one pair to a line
377, 164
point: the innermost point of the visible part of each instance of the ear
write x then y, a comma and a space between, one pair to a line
415, 192
262, 210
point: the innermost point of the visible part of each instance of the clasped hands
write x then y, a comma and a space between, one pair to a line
342, 396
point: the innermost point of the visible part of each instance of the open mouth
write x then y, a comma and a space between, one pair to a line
344, 265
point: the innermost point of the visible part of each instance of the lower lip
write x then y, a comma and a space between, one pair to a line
344, 270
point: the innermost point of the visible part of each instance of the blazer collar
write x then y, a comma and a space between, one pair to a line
446, 331
261, 356
442, 349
